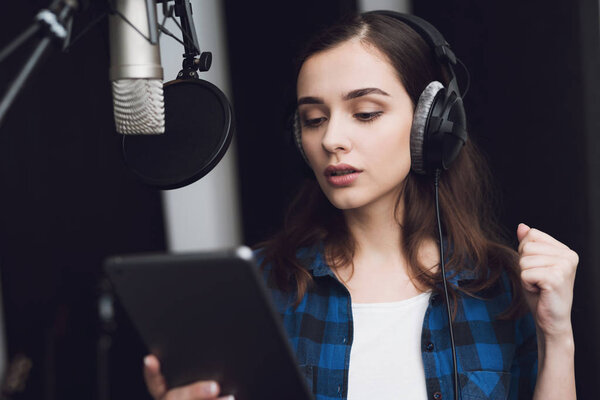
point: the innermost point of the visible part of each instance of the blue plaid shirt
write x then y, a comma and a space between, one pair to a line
497, 359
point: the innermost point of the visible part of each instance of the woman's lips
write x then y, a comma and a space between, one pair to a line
342, 180
341, 174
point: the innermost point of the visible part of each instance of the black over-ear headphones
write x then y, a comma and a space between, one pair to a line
439, 129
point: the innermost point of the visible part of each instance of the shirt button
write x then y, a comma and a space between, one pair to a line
344, 340
437, 396
429, 346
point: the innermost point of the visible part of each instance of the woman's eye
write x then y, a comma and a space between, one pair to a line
367, 116
313, 122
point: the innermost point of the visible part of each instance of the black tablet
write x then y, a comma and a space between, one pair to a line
208, 316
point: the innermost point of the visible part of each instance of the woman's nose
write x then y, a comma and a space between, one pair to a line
336, 138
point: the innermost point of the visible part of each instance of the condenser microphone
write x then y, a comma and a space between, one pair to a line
135, 69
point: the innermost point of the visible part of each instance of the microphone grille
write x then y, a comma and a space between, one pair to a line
139, 106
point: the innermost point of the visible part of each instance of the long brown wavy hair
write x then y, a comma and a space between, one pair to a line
465, 193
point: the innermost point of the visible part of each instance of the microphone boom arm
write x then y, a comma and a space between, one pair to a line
54, 23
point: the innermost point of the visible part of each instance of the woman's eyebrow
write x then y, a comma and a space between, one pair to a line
348, 96
363, 92
310, 100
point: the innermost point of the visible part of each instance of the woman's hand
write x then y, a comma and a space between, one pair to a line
548, 274
155, 382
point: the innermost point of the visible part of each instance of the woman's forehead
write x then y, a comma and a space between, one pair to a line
344, 68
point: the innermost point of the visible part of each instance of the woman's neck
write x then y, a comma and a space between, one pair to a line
377, 232
380, 270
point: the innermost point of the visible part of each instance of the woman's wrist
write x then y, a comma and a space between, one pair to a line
556, 366
557, 340
558, 347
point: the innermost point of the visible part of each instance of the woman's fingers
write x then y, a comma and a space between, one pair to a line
204, 390
547, 253
526, 234
546, 278
531, 247
543, 260
154, 380
522, 230
157, 386
548, 270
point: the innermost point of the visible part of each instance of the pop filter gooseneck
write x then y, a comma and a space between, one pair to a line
198, 131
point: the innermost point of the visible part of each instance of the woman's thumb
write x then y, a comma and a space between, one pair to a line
154, 380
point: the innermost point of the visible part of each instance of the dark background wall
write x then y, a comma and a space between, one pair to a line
67, 200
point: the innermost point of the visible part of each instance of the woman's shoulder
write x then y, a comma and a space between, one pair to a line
309, 257
259, 256
265, 267
283, 297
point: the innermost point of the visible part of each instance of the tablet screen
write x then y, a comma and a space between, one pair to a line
208, 316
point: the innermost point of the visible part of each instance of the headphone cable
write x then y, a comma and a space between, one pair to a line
442, 266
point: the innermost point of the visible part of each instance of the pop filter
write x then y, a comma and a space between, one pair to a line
198, 131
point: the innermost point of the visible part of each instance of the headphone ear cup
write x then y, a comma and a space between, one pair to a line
419, 125
455, 132
296, 126
297, 130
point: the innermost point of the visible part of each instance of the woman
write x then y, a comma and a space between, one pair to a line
356, 270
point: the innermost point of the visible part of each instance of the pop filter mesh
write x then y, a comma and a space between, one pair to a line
198, 131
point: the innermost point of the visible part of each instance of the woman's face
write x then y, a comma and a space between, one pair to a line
356, 118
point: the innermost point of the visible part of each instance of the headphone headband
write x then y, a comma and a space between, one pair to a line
434, 38
441, 49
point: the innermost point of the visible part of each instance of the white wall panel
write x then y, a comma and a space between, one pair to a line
205, 214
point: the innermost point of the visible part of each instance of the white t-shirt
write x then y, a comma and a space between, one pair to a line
385, 358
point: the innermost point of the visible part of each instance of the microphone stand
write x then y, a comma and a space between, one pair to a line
54, 23
107, 329
191, 64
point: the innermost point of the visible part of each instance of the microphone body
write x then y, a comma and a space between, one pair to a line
136, 72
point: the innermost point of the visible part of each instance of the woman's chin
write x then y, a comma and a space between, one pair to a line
363, 199
345, 202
